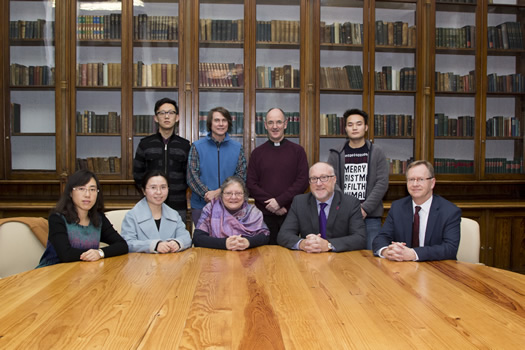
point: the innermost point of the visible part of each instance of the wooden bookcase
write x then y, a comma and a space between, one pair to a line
307, 47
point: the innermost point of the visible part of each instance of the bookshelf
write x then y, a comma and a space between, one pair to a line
31, 125
455, 104
396, 81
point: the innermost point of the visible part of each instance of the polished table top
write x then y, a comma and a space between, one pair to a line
263, 298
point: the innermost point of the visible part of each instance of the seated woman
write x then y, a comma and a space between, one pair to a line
229, 222
151, 226
77, 225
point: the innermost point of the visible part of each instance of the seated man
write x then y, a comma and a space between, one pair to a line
421, 226
323, 220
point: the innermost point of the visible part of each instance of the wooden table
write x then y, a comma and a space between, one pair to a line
264, 298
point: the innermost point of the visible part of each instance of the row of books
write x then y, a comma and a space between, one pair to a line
99, 27
453, 166
98, 74
100, 165
144, 124
506, 83
221, 74
507, 36
237, 126
347, 77
500, 126
460, 126
155, 74
39, 29
90, 123
221, 29
278, 77
455, 82
332, 124
393, 79
464, 37
342, 33
278, 31
393, 125
398, 166
155, 27
395, 34
503, 166
21, 75
292, 128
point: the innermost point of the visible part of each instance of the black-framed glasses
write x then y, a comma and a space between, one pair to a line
323, 178
166, 113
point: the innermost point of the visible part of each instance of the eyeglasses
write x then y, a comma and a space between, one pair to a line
277, 123
418, 180
86, 189
157, 188
231, 194
168, 113
323, 178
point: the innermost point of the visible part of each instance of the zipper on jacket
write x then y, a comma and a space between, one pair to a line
219, 164
166, 159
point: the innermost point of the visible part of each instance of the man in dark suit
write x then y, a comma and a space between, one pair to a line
436, 226
323, 220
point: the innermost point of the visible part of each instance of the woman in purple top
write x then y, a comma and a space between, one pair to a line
229, 222
77, 225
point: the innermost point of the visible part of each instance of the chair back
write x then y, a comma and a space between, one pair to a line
116, 217
469, 243
20, 249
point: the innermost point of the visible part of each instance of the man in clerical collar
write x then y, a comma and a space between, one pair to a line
277, 172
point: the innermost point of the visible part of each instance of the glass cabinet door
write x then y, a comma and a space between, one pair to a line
455, 124
394, 57
277, 73
155, 62
98, 124
31, 145
502, 139
221, 62
342, 62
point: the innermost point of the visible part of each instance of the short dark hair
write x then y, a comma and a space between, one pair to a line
149, 174
353, 111
421, 162
224, 113
65, 205
163, 101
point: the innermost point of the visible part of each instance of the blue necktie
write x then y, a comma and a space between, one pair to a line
322, 220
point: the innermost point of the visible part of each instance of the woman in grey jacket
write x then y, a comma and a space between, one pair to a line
152, 226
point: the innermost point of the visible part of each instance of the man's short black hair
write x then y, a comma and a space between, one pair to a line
163, 101
353, 111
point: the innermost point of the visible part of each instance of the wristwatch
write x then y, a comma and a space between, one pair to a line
101, 252
330, 247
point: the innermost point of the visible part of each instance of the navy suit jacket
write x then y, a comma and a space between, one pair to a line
345, 227
441, 236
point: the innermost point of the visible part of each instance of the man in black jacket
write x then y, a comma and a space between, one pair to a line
167, 152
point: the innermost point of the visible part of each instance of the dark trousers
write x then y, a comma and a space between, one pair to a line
274, 223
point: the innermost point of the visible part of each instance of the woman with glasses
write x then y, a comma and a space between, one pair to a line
77, 225
229, 222
152, 226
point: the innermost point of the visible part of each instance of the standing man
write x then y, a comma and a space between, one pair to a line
212, 160
167, 152
324, 220
422, 226
277, 172
362, 171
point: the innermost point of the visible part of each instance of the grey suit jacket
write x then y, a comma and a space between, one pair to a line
345, 227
